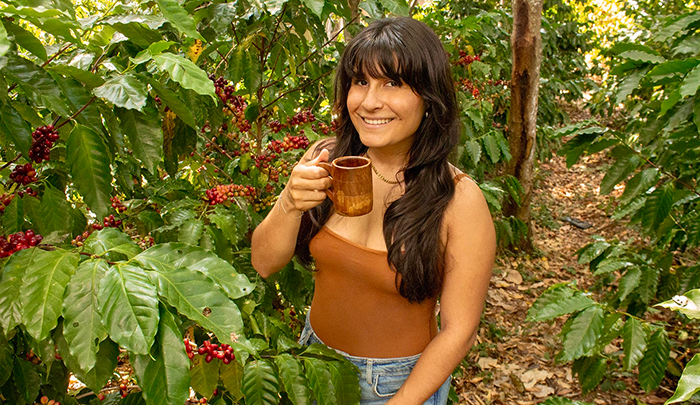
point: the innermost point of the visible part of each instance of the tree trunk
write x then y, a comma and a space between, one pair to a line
526, 43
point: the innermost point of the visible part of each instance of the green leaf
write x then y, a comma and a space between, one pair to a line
629, 282
491, 147
171, 99
191, 231
689, 382
629, 84
163, 374
27, 379
90, 79
686, 304
109, 240
691, 83
673, 98
197, 297
474, 150
316, 6
129, 307
185, 72
37, 84
293, 379
648, 283
260, 384
585, 329
590, 371
167, 257
204, 376
125, 91
634, 342
657, 207
639, 183
107, 360
398, 7
227, 223
562, 401
90, 168
591, 251
319, 375
145, 134
12, 281
82, 323
13, 217
641, 56
178, 17
610, 264
618, 173
346, 381
38, 11
515, 189
55, 211
231, 375
44, 286
15, 128
558, 301
25, 39
652, 366
7, 355
4, 41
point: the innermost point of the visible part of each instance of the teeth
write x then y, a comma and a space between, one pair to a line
377, 122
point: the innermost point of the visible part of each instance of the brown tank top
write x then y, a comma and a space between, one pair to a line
356, 306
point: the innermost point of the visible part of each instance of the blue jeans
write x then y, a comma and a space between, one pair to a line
380, 378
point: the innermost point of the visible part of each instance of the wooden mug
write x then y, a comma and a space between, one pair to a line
351, 192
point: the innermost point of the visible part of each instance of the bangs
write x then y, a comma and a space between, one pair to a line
382, 56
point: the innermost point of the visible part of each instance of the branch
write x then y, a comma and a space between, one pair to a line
54, 56
72, 117
296, 89
19, 155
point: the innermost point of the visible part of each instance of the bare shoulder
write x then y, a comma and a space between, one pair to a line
317, 147
468, 206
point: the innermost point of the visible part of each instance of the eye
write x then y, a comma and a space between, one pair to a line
359, 82
393, 83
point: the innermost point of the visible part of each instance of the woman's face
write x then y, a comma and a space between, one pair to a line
385, 113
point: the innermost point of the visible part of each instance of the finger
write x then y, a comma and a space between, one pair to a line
322, 157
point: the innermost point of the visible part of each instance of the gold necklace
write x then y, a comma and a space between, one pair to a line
382, 178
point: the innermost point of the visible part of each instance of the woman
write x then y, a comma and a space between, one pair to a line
429, 234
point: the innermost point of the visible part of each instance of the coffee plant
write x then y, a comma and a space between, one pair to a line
652, 106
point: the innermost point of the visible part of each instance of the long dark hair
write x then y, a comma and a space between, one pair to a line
407, 50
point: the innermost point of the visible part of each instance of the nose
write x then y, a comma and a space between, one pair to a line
373, 98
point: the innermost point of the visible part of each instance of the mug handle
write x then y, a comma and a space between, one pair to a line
329, 169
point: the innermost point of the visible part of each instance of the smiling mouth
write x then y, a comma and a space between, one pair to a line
378, 121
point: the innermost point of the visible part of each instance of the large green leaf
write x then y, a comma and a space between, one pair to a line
648, 283
185, 72
319, 377
689, 382
314, 5
12, 281
197, 297
125, 91
171, 99
260, 384
90, 167
25, 39
398, 7
227, 223
145, 134
129, 307
652, 366
55, 211
96, 377
82, 325
629, 282
91, 80
590, 371
167, 257
179, 18
346, 381
639, 183
657, 207
7, 355
163, 374
111, 243
15, 128
558, 301
618, 173
231, 375
44, 286
191, 231
37, 84
585, 329
4, 41
204, 376
27, 379
293, 379
634, 342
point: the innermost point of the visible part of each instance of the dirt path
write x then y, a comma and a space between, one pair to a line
513, 361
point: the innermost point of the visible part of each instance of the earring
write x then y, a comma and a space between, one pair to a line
426, 114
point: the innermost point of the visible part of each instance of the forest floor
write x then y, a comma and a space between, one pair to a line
513, 360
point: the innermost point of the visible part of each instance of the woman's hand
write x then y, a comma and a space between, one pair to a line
305, 187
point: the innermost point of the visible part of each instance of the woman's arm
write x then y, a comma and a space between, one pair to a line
470, 252
273, 242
